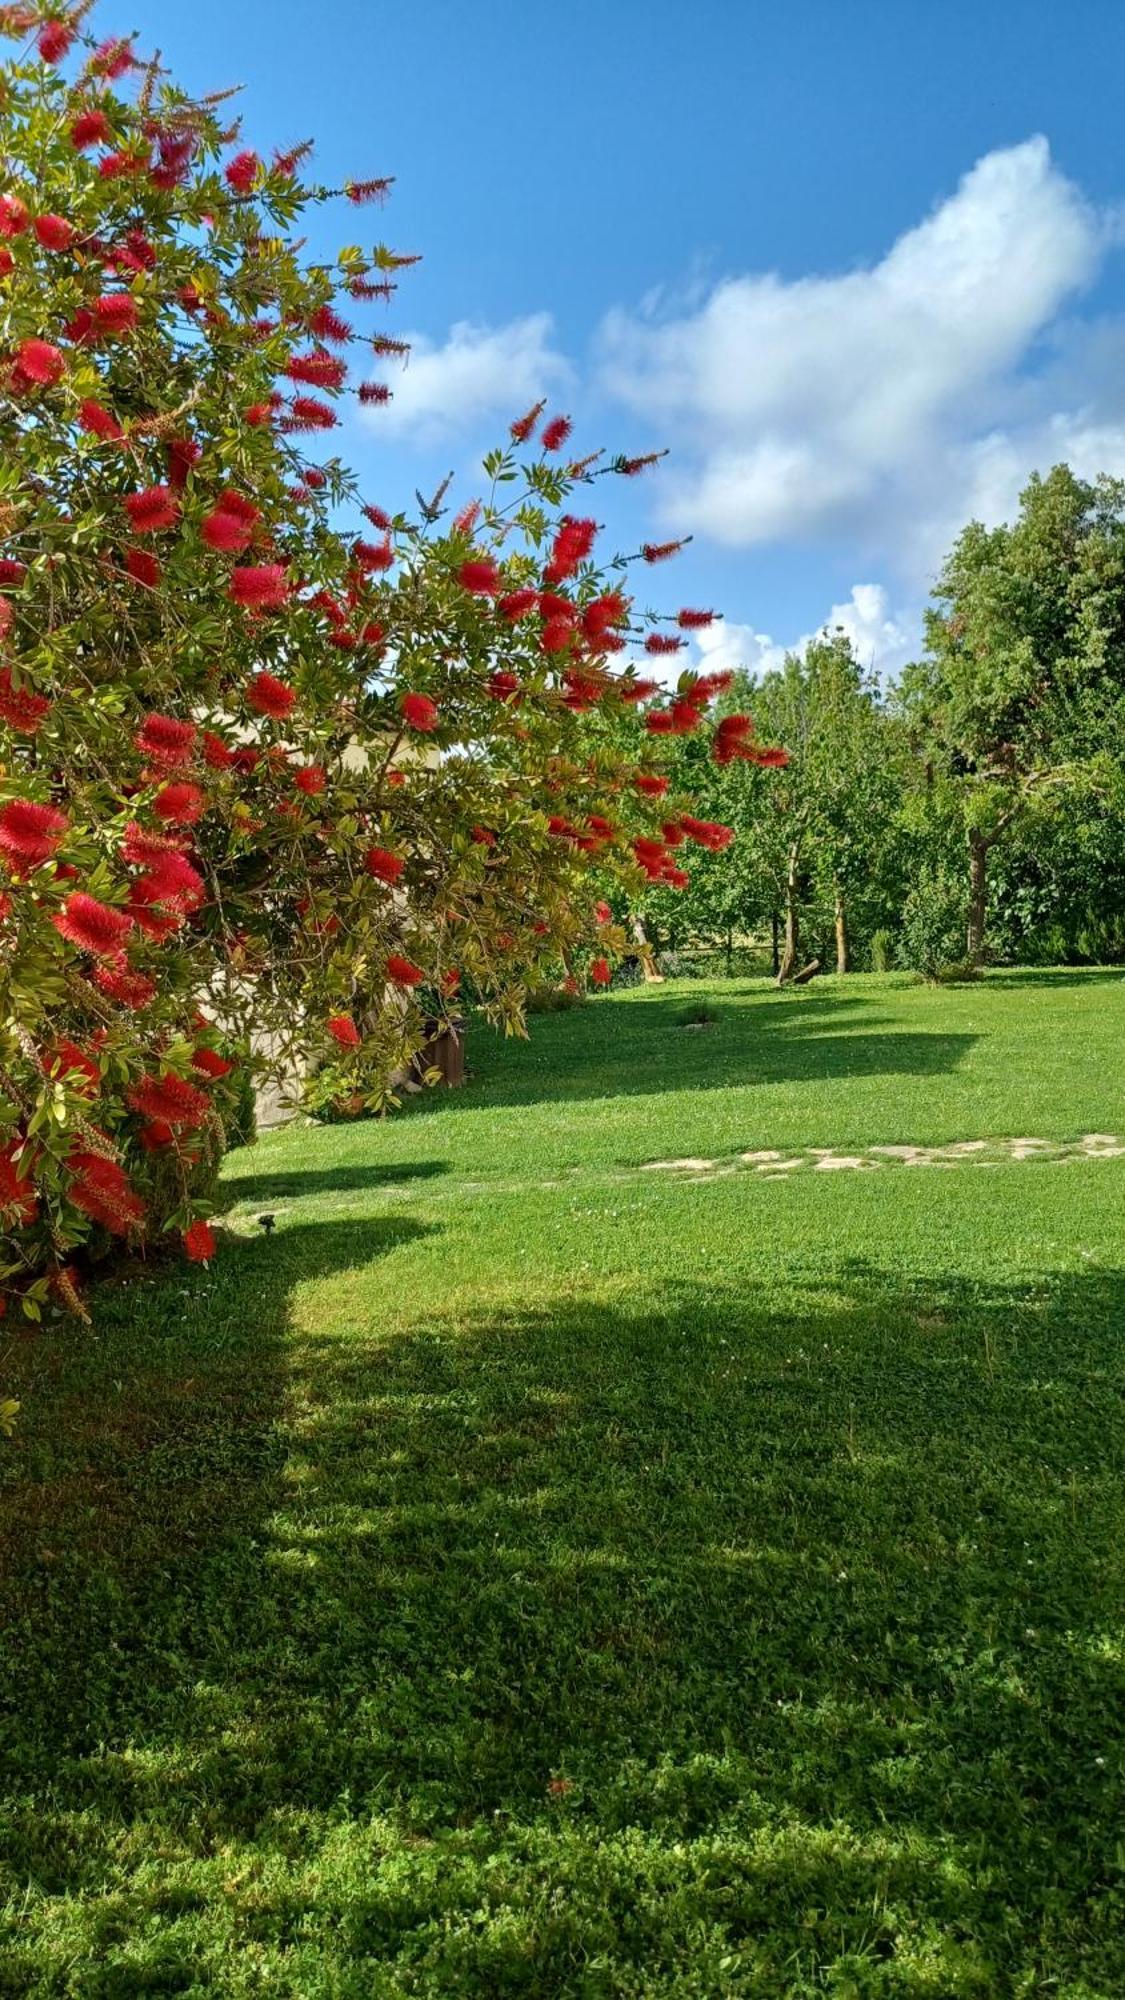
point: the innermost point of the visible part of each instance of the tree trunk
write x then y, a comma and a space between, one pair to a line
842, 950
776, 943
792, 921
730, 953
651, 972
978, 895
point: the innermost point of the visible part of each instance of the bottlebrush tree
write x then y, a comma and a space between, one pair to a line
281, 768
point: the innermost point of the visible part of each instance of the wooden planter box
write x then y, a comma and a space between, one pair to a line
444, 1050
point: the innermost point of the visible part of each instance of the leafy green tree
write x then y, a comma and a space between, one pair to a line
1021, 694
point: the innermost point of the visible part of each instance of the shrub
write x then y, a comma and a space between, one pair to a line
933, 925
882, 950
280, 766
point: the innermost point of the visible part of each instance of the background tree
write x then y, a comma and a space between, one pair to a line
1021, 691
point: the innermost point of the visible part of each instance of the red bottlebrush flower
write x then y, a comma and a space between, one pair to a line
269, 696
603, 913
655, 552
144, 848
210, 1063
343, 1029
374, 392
116, 166
14, 215
479, 577
662, 642
658, 722
241, 172
650, 783
685, 716
113, 57
54, 232
246, 759
90, 128
483, 837
402, 971
12, 571
92, 926
216, 755
373, 633
73, 1066
363, 191
346, 642
772, 760
600, 972
199, 1242
326, 324
230, 524
21, 708
450, 980
94, 417
257, 414
378, 518
153, 1137
170, 1098
38, 361
165, 741
556, 635
320, 370
30, 833
116, 312
385, 866
310, 780
7, 261
53, 40
313, 477
130, 989
629, 467
182, 454
694, 621
19, 1202
524, 426
152, 510
516, 604
502, 684
555, 433
371, 557
419, 712
467, 519
264, 587
143, 567
306, 414
676, 878
180, 805
102, 1190
610, 609
572, 545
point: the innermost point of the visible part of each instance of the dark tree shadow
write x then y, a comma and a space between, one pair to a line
283, 1184
651, 1629
640, 1046
1026, 975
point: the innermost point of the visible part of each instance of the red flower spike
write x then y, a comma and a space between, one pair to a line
170, 1098
166, 741
364, 191
92, 926
198, 1241
14, 215
419, 712
90, 128
30, 833
310, 780
269, 696
116, 312
261, 588
655, 552
481, 578
94, 417
133, 990
372, 557
241, 172
600, 972
143, 568
40, 362
54, 232
402, 971
53, 40
21, 708
210, 1063
694, 621
662, 642
385, 866
556, 433
152, 510
180, 804
524, 426
343, 1029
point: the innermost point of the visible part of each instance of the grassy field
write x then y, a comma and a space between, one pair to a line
568, 1558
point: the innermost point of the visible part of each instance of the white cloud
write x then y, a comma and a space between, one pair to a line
477, 373
881, 640
884, 405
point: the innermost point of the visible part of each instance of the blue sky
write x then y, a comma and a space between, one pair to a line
859, 264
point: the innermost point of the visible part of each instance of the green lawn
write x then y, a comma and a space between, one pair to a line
532, 1571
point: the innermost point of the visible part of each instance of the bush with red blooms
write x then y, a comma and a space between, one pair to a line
279, 768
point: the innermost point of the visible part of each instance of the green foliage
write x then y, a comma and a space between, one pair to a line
882, 950
522, 1574
933, 924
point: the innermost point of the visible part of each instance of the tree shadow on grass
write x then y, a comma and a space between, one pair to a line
716, 1644
642, 1047
242, 1189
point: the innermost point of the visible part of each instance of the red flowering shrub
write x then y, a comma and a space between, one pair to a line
246, 756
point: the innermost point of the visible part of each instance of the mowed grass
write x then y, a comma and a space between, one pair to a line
522, 1573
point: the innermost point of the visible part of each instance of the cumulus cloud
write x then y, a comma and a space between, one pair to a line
881, 639
477, 373
865, 406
